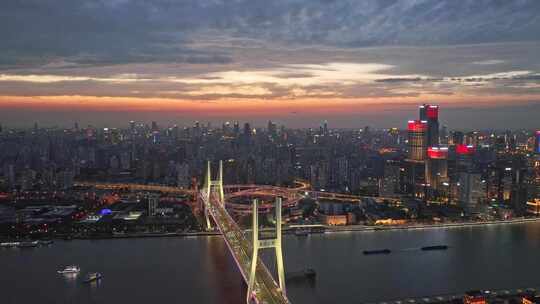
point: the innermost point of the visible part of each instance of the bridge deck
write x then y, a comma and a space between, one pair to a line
266, 289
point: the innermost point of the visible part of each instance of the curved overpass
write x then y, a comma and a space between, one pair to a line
291, 196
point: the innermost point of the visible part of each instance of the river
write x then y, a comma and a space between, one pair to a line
200, 270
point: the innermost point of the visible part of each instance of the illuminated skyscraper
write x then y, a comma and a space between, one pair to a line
436, 166
417, 139
471, 190
430, 113
415, 178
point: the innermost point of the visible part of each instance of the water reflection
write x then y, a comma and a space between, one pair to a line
201, 270
95, 283
222, 269
70, 277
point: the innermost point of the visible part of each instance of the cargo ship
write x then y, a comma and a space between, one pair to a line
380, 251
437, 247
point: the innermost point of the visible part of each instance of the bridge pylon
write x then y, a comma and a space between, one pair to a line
274, 241
209, 185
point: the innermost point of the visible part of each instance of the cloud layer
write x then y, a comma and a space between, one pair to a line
251, 53
126, 31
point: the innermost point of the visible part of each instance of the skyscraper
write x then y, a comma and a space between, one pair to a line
536, 142
471, 190
430, 113
436, 166
417, 139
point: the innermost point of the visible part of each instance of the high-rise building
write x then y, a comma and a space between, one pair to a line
464, 157
430, 113
183, 179
471, 190
417, 139
389, 184
436, 166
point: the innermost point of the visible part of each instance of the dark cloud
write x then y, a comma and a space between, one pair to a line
104, 32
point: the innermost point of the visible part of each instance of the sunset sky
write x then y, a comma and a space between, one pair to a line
297, 62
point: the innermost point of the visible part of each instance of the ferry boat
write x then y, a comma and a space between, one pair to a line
94, 276
70, 269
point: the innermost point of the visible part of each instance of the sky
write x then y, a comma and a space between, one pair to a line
297, 62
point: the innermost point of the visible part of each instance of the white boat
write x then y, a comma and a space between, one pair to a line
70, 269
9, 244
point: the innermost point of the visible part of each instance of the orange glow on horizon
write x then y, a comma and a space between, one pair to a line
251, 106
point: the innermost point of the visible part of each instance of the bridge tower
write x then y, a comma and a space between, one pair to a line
209, 185
274, 241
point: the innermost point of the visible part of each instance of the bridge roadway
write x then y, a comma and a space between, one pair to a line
266, 290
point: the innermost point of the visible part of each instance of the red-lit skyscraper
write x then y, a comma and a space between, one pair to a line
436, 166
417, 139
430, 113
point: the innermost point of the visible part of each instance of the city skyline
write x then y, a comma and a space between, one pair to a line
297, 63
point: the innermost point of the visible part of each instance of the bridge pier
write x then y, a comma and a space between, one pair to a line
262, 287
208, 185
274, 241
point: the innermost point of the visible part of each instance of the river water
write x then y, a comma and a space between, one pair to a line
200, 269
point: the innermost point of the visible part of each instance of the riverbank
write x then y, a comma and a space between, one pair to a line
320, 229
352, 228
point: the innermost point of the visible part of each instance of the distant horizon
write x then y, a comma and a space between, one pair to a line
353, 63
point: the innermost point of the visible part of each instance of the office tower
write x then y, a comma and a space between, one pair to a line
417, 139
183, 179
389, 184
518, 192
430, 113
464, 157
436, 166
471, 190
